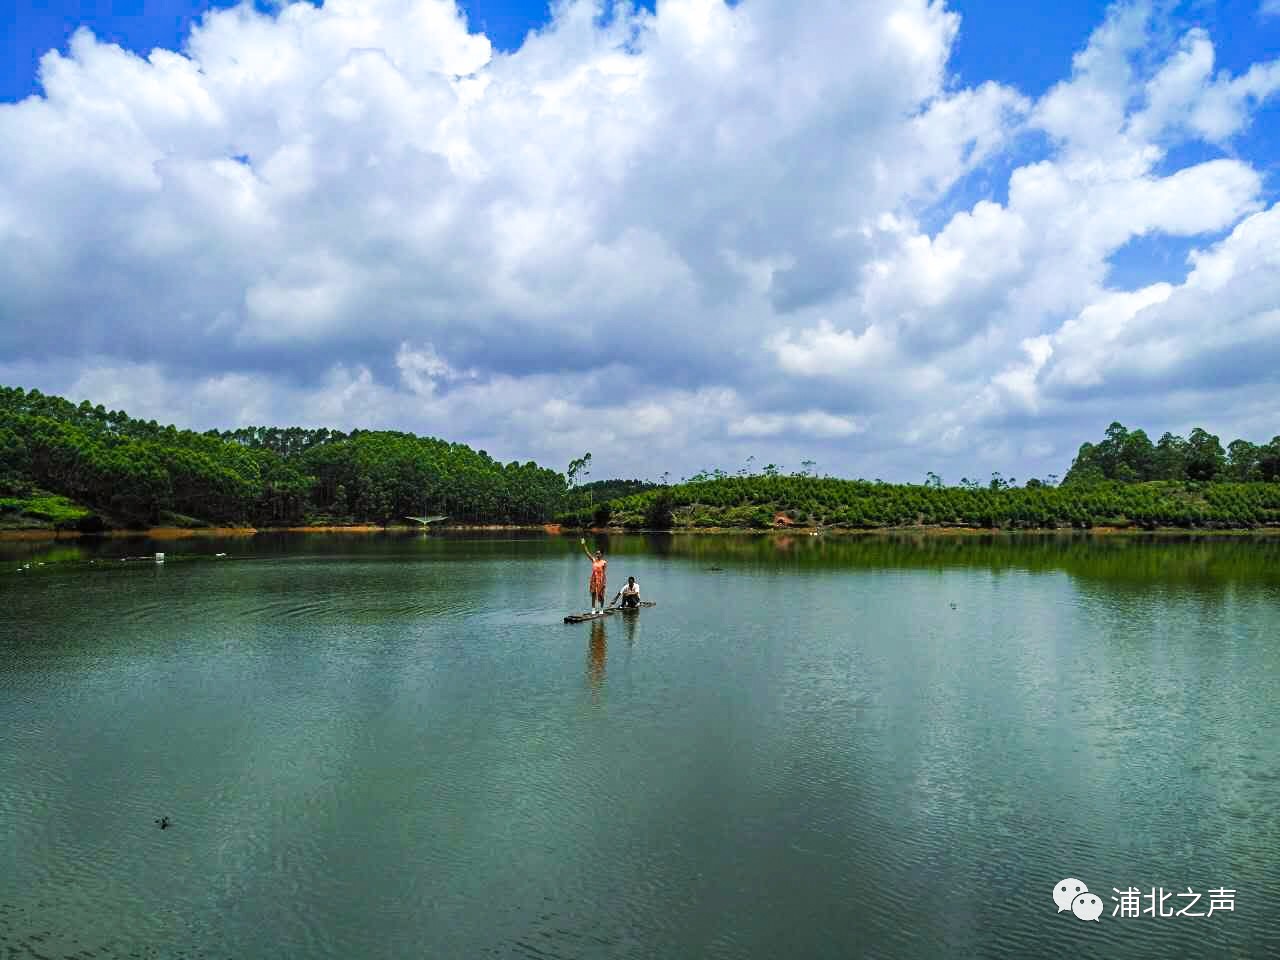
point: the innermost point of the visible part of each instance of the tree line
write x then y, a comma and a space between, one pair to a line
761, 502
1124, 480
1130, 457
142, 473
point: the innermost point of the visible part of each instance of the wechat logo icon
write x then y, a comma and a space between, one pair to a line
1071, 894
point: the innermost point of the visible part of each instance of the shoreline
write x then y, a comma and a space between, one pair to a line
183, 533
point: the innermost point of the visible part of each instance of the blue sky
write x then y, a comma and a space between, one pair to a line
1028, 44
991, 43
885, 235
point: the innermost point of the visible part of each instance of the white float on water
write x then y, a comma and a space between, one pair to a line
159, 558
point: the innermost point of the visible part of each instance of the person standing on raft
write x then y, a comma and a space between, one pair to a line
596, 586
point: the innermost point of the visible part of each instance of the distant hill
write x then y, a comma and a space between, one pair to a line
1123, 481
762, 502
117, 470
587, 504
77, 466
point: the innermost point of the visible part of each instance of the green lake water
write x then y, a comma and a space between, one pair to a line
392, 746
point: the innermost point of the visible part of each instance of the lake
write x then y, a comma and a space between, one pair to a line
392, 746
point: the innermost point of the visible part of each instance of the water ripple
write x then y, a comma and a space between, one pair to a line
398, 757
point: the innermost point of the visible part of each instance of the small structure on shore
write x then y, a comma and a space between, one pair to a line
424, 521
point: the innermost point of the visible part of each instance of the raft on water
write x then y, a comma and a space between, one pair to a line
581, 617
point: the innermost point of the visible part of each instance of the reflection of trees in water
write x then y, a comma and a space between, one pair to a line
1183, 558
659, 544
1209, 562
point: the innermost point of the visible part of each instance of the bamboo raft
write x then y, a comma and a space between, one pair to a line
583, 617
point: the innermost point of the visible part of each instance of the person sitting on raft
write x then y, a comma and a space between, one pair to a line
630, 594
596, 584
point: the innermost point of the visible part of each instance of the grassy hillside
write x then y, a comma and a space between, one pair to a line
762, 502
32, 508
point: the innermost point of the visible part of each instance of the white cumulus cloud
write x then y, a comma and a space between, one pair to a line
677, 239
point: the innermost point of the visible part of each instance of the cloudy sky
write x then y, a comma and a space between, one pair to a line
889, 236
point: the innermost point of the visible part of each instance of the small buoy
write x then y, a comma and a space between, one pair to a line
159, 558
219, 554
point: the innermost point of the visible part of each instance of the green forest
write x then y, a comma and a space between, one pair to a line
1131, 457
89, 468
86, 468
1122, 481
762, 502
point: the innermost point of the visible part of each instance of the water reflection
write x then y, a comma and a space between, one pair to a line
596, 652
659, 544
631, 626
368, 700
1201, 563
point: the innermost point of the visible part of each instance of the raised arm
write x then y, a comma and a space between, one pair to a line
583, 541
